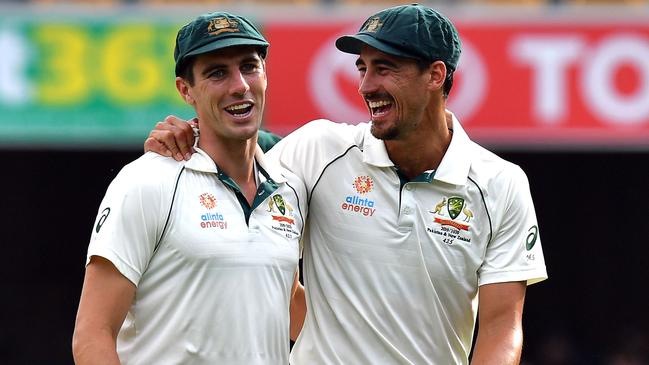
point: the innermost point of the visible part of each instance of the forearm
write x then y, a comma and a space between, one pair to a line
94, 348
498, 344
298, 311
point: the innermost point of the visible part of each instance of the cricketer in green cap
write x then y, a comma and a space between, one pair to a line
201, 290
213, 31
411, 31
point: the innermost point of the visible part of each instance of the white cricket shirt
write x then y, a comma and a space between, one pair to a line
211, 288
392, 268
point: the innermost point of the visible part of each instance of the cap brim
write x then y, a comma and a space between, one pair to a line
225, 43
354, 43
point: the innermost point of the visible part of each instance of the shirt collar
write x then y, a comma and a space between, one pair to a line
454, 167
374, 152
201, 161
268, 165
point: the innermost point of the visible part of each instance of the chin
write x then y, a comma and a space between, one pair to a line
247, 132
244, 135
384, 134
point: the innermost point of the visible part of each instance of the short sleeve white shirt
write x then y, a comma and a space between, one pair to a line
392, 267
212, 287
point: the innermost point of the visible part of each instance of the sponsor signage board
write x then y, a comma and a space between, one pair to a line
518, 84
547, 83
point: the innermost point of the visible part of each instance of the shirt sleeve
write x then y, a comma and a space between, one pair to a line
514, 252
129, 221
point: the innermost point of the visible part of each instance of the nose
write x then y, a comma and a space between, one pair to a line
367, 84
239, 85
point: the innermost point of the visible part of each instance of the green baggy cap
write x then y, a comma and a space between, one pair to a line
410, 31
213, 31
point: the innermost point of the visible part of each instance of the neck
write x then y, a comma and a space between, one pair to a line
424, 149
235, 158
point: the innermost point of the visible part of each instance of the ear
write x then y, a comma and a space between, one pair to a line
184, 90
437, 73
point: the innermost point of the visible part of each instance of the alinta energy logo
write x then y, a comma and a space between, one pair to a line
453, 216
357, 203
211, 219
207, 200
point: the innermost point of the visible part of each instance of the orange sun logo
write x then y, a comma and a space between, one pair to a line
363, 184
208, 200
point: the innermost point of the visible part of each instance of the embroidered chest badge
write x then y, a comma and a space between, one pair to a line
452, 216
277, 203
284, 222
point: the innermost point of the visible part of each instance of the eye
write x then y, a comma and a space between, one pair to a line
217, 74
249, 67
382, 70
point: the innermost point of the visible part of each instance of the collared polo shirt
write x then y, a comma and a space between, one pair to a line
213, 274
392, 267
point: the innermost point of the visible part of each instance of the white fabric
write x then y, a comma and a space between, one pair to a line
215, 291
389, 278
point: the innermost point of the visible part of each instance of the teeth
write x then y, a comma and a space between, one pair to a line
380, 103
238, 107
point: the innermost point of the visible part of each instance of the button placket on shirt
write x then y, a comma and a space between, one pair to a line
408, 204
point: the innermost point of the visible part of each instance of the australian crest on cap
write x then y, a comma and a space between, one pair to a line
372, 25
221, 24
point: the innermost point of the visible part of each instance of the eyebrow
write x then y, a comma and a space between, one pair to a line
378, 62
215, 66
252, 58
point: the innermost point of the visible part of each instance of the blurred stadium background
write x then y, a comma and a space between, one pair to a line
559, 87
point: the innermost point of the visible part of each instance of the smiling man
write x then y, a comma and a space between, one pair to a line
194, 262
452, 227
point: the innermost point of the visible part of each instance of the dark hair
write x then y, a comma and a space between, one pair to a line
186, 70
448, 82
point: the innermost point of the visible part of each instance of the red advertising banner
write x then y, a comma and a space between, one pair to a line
540, 83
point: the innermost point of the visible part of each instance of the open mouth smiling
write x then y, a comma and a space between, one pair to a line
239, 110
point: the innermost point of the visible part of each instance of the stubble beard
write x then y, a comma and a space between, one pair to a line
389, 134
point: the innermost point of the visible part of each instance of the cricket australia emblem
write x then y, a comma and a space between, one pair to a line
451, 218
454, 206
284, 222
372, 25
220, 25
